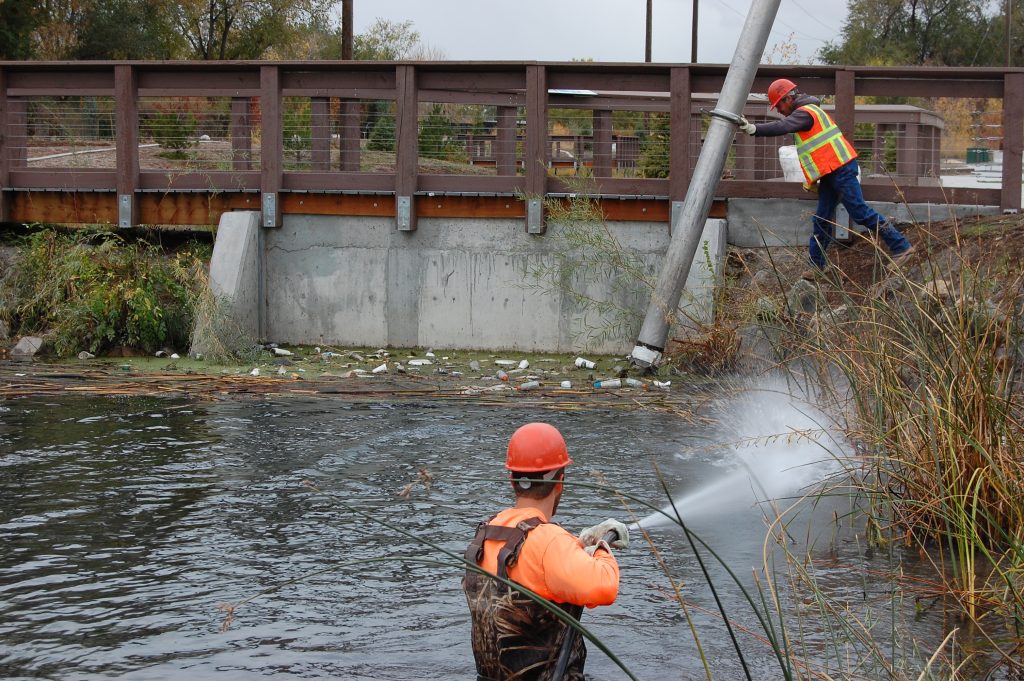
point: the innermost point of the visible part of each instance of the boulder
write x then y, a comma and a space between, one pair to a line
27, 347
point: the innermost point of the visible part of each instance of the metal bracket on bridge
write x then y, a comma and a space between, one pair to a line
403, 213
677, 211
124, 211
269, 209
534, 217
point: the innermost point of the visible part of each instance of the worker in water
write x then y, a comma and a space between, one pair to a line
829, 164
513, 636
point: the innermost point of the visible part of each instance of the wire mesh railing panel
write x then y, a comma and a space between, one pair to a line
196, 134
330, 134
62, 132
619, 144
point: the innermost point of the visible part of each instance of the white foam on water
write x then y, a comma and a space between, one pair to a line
773, 445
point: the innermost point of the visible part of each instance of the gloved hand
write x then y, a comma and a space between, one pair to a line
811, 187
747, 127
592, 535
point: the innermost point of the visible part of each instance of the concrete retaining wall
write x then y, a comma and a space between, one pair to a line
475, 284
460, 283
754, 223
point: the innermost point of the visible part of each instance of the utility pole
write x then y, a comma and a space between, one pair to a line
1009, 36
693, 34
647, 44
693, 214
346, 29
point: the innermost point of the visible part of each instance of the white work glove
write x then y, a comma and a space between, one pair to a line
592, 535
747, 127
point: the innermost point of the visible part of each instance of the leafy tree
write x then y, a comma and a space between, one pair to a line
912, 32
245, 29
127, 29
55, 34
386, 41
17, 24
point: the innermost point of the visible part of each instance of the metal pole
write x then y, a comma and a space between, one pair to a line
687, 229
693, 34
647, 41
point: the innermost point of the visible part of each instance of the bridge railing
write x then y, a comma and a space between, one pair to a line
181, 142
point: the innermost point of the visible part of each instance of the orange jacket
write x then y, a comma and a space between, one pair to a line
823, 148
554, 565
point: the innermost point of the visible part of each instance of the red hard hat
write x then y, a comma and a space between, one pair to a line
536, 447
779, 89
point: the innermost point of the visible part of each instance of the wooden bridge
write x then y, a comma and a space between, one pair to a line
180, 143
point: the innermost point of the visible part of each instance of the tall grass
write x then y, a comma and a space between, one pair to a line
925, 370
93, 290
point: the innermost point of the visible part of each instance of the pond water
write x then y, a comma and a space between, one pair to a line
126, 521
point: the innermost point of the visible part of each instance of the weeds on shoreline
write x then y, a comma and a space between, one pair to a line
923, 367
92, 290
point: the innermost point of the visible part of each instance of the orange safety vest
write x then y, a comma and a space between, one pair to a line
823, 148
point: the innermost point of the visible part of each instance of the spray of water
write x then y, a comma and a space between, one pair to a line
772, 445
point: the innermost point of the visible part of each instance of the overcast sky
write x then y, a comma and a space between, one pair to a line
605, 30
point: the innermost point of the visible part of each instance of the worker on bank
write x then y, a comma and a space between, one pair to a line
514, 637
829, 164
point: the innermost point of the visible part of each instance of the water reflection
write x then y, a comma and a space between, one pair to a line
125, 522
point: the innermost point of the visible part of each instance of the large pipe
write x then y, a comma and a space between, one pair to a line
688, 227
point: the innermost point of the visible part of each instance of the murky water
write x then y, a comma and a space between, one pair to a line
124, 522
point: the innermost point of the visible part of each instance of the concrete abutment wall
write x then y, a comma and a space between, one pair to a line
466, 283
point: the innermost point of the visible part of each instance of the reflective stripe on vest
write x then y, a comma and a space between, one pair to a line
823, 148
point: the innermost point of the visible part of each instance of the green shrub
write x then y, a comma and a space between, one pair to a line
172, 130
93, 291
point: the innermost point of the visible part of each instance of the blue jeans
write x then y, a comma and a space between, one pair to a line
842, 185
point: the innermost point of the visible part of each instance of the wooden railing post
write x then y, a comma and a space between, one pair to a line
536, 151
241, 134
127, 129
682, 129
407, 147
270, 145
1013, 140
846, 102
350, 112
5, 143
505, 141
320, 132
602, 163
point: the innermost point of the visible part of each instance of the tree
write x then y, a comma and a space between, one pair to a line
127, 29
386, 41
17, 24
55, 33
912, 32
246, 29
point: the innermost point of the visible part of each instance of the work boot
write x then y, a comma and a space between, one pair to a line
901, 258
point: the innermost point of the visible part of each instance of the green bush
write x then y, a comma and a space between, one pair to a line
172, 130
382, 138
93, 291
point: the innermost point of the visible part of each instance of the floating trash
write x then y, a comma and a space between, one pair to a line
582, 363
